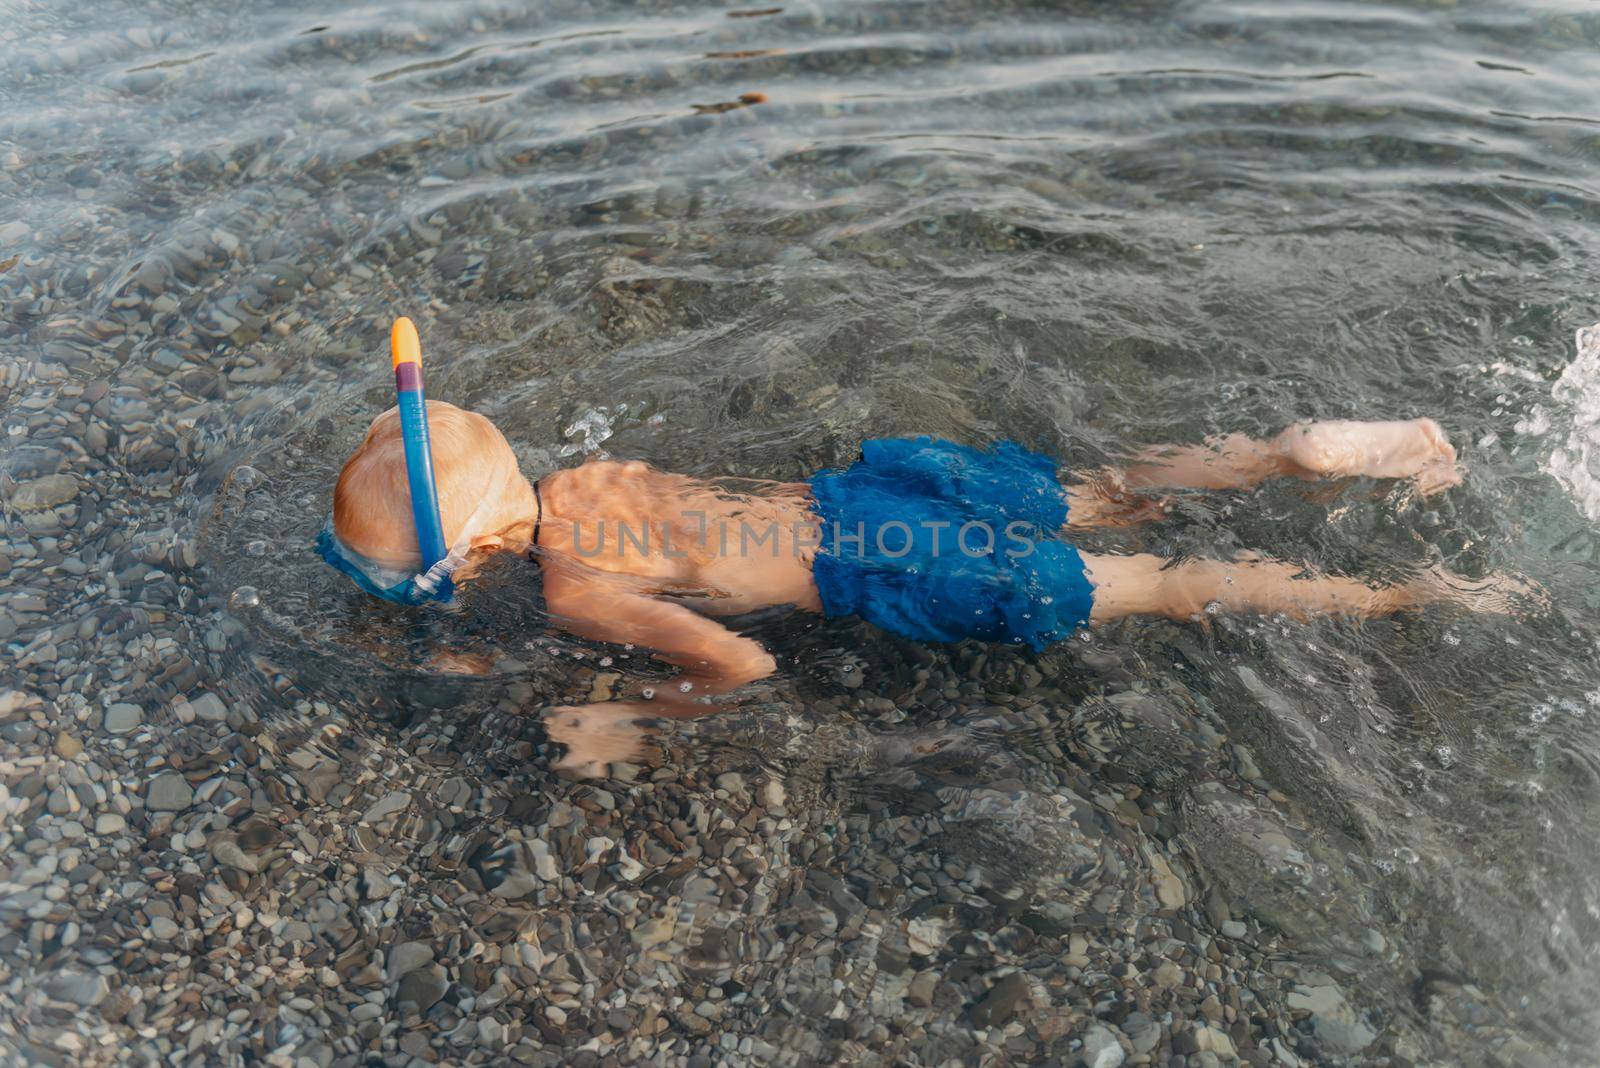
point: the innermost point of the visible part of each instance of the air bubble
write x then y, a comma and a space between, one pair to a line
1406, 855
1444, 755
244, 597
648, 694
685, 687
256, 548
605, 661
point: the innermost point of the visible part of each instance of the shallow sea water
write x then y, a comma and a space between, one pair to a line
1086, 227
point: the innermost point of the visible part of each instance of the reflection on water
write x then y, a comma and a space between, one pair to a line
736, 242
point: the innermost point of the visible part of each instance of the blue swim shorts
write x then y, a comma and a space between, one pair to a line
940, 542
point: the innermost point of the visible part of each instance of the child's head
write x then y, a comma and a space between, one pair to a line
484, 501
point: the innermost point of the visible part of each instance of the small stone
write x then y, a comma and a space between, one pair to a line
163, 929
209, 707
44, 493
731, 781
390, 804
772, 795
422, 988
920, 991
1168, 975
544, 865
1332, 1019
109, 823
1002, 1001
516, 884
67, 747
654, 931
1235, 930
81, 988
601, 688
1101, 1048
227, 852
1169, 888
1143, 1032
168, 792
122, 718
407, 957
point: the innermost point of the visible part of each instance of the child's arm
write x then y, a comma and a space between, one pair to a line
1415, 448
1149, 585
713, 658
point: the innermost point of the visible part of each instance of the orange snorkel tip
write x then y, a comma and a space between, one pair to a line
404, 345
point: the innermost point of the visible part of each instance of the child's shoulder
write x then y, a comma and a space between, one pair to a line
610, 478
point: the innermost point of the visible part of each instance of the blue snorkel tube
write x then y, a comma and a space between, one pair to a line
406, 349
432, 583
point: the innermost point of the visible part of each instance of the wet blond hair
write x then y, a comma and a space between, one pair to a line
372, 499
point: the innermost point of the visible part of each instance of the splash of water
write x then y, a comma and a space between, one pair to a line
1576, 463
591, 429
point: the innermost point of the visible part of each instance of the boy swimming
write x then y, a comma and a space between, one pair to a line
932, 540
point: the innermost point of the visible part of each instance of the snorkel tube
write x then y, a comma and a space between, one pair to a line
406, 349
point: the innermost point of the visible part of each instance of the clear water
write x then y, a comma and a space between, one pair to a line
1083, 226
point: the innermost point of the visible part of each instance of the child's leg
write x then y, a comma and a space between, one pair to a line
1415, 448
1146, 585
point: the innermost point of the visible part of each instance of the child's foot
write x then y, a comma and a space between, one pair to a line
1341, 448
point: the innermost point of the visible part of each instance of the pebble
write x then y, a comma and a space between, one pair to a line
40, 494
390, 804
1335, 1023
86, 989
654, 931
209, 708
1101, 1048
122, 718
407, 957
1002, 1001
168, 792
422, 988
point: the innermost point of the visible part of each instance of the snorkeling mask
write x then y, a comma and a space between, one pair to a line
438, 563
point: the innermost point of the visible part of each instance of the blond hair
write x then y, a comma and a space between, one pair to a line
372, 500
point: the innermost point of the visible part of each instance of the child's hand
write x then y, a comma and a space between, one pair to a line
597, 734
1499, 592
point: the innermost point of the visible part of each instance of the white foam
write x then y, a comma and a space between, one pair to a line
1576, 462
